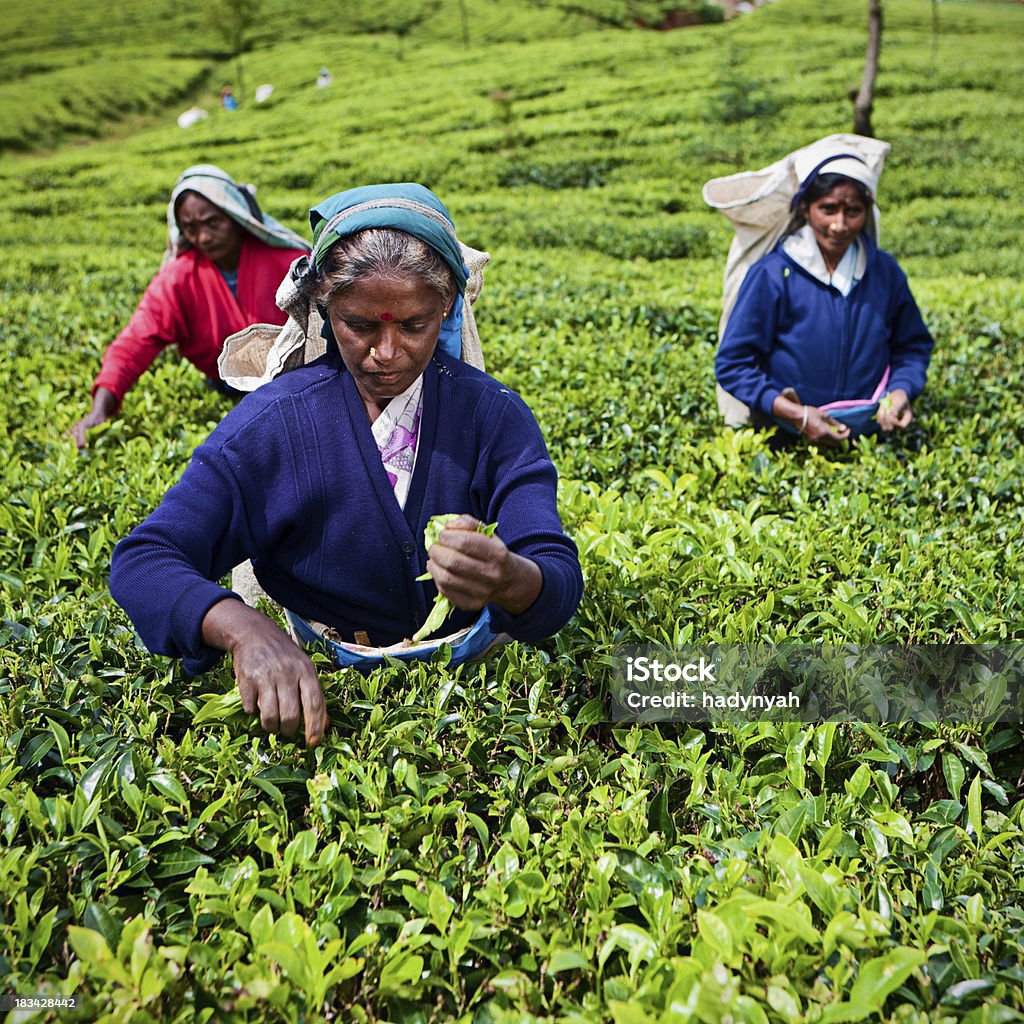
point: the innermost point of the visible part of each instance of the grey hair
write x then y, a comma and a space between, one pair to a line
384, 252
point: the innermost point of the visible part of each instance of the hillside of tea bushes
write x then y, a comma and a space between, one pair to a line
76, 70
484, 844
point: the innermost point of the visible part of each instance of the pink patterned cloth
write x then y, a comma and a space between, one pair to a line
396, 431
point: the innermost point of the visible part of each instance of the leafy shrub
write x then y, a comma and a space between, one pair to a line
50, 105
584, 173
742, 97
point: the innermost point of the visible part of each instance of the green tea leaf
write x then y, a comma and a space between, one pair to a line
439, 611
953, 770
568, 960
219, 708
164, 782
974, 807
182, 861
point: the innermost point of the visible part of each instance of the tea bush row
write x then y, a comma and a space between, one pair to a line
89, 101
152, 58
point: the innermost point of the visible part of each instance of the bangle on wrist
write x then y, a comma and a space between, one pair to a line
803, 422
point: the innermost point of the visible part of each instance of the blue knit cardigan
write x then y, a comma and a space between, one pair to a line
292, 479
788, 329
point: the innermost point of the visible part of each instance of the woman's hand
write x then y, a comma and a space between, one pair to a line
473, 570
818, 427
894, 412
823, 429
275, 678
104, 405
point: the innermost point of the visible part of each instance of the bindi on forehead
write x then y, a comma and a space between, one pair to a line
387, 316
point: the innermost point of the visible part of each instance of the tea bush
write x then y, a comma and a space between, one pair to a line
484, 844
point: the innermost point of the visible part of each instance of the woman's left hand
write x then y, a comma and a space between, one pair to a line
894, 412
473, 570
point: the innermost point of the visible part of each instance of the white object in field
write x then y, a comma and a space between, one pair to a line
190, 116
264, 92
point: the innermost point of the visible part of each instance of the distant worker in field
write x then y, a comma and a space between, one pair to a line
224, 261
227, 98
324, 79
825, 338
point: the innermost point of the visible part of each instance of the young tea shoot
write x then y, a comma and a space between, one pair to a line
442, 606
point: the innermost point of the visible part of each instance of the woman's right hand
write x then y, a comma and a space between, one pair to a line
275, 677
104, 405
823, 429
818, 427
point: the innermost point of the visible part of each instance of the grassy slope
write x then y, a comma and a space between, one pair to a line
594, 854
76, 69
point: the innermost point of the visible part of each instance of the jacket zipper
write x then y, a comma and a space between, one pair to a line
844, 340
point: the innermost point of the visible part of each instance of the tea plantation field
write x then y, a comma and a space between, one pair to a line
485, 844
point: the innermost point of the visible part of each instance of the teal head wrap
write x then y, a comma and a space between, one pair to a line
404, 207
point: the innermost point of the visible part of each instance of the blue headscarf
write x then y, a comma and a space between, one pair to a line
404, 207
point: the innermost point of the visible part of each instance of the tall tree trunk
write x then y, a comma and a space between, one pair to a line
239, 84
864, 98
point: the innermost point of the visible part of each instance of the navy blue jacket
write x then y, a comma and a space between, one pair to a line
292, 479
788, 329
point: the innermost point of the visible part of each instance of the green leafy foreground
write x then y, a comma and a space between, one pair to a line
482, 844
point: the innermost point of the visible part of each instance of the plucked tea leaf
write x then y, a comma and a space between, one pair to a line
442, 607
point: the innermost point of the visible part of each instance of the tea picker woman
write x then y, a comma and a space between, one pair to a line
825, 338
327, 475
224, 261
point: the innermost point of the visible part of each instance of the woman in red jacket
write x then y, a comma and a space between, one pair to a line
224, 261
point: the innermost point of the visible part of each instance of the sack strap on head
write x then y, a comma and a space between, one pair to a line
807, 182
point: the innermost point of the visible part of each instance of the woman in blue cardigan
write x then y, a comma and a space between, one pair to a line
825, 338
327, 476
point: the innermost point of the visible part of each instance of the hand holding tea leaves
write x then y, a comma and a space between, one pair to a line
824, 429
817, 426
442, 607
472, 568
894, 412
104, 405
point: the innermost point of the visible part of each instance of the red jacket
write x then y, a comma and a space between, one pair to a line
189, 304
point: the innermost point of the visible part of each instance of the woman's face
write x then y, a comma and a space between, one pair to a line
210, 230
386, 330
836, 220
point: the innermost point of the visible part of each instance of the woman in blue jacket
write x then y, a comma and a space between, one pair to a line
326, 478
825, 338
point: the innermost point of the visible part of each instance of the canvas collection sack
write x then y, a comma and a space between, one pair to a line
469, 644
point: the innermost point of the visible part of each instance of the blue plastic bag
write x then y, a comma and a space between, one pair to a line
467, 645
